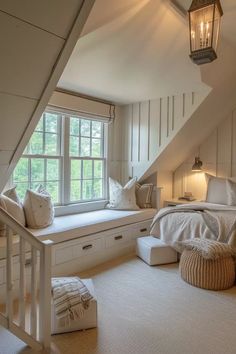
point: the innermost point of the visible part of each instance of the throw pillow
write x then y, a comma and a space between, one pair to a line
14, 209
231, 192
12, 194
216, 190
122, 198
38, 207
144, 195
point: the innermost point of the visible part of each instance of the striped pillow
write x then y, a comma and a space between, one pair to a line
144, 195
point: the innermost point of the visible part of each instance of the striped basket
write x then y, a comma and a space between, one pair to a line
211, 274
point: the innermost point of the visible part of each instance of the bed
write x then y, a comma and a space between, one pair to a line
202, 219
214, 219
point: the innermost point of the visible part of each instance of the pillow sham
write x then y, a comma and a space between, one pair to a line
144, 195
38, 207
122, 198
14, 209
231, 192
216, 190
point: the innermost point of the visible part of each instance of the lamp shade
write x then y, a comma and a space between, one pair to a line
197, 166
204, 27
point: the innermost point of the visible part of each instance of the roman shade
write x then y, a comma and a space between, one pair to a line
76, 105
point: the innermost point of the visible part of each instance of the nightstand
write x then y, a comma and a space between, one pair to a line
176, 201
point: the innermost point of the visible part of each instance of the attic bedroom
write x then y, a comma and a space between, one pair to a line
117, 176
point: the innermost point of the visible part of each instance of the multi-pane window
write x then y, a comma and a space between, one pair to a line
86, 159
66, 155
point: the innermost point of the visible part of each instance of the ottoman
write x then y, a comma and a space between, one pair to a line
155, 252
89, 320
207, 264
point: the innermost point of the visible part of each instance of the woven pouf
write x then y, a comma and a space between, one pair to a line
211, 274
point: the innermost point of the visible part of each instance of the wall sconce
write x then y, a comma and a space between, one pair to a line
197, 166
204, 27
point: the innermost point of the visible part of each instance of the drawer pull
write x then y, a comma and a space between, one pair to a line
87, 247
118, 237
142, 230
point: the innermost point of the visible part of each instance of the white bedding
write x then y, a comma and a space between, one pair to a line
181, 223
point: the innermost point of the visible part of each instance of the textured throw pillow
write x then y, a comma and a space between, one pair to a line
12, 194
216, 190
144, 195
122, 198
13, 208
38, 207
231, 192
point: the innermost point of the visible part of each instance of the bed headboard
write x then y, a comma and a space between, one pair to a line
156, 197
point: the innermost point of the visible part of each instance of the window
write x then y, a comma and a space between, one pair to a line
66, 154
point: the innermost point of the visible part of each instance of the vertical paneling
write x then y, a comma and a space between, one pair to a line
224, 148
154, 127
218, 153
149, 126
144, 131
164, 117
234, 143
135, 132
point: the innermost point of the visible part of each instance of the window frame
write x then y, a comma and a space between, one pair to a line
65, 160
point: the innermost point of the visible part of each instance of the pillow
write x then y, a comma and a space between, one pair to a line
144, 195
38, 207
122, 198
231, 192
13, 208
12, 194
216, 190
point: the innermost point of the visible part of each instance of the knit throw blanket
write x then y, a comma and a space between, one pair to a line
208, 249
71, 297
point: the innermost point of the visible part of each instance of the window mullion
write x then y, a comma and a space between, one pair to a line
67, 159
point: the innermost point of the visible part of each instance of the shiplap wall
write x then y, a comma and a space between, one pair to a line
218, 154
147, 127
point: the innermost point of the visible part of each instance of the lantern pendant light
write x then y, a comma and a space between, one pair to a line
204, 27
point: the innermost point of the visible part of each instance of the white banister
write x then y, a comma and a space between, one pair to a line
33, 312
22, 284
45, 295
39, 322
9, 305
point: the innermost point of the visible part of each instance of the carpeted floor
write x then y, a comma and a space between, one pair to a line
149, 310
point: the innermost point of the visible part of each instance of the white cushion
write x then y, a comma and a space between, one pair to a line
216, 190
122, 198
13, 208
68, 227
231, 192
89, 320
39, 210
155, 252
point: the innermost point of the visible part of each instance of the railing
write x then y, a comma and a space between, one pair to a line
28, 305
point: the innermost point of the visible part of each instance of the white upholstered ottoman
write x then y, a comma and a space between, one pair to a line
155, 252
89, 320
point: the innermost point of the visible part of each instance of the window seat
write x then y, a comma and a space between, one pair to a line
69, 227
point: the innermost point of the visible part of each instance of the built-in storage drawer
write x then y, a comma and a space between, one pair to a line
118, 238
67, 251
88, 247
141, 229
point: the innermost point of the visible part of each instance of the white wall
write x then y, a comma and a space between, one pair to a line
218, 154
149, 126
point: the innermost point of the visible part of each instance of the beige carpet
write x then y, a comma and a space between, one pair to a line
150, 310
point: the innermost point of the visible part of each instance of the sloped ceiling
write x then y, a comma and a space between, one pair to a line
132, 51
37, 38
